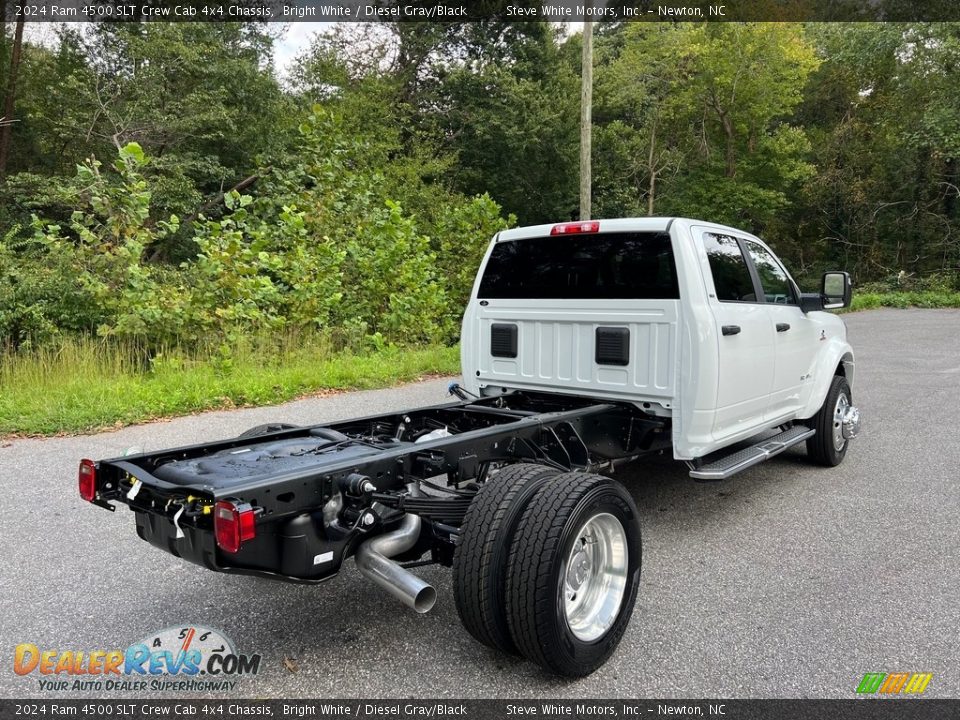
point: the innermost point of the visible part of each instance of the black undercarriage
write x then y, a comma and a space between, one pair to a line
321, 490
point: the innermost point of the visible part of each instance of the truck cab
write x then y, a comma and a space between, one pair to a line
689, 320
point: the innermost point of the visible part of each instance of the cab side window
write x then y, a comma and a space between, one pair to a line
773, 279
731, 277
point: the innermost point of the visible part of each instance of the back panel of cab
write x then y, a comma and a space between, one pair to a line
592, 314
624, 349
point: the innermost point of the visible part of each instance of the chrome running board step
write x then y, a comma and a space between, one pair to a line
728, 465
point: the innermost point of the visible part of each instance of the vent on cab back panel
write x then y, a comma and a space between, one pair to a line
613, 346
503, 340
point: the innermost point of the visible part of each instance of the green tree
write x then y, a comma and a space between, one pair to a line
510, 117
705, 108
644, 124
885, 122
200, 98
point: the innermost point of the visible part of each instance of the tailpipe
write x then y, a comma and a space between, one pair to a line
373, 561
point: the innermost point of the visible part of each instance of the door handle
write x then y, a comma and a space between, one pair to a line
783, 327
730, 329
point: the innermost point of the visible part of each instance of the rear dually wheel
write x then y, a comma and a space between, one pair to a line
574, 572
480, 559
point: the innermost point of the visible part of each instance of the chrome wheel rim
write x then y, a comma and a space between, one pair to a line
595, 577
838, 414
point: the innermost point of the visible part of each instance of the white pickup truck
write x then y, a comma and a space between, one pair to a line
585, 345
692, 321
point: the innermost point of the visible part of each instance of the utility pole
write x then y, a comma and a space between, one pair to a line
586, 115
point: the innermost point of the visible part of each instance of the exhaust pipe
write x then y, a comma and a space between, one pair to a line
373, 561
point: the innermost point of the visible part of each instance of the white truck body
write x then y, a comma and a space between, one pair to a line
773, 364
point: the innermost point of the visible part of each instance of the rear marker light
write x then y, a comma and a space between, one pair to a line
233, 524
576, 228
87, 480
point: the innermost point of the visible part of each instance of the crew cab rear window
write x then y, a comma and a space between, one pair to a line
731, 276
583, 267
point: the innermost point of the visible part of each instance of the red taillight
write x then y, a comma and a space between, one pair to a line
233, 524
87, 480
576, 228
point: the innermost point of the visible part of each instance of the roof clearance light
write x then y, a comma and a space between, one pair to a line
576, 228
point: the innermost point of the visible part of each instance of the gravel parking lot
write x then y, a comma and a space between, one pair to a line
785, 581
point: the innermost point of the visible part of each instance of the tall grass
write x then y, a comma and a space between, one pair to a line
912, 298
86, 384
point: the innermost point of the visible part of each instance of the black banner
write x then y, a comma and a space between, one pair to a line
216, 709
469, 11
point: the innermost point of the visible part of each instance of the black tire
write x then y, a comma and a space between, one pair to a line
536, 573
821, 448
480, 559
264, 429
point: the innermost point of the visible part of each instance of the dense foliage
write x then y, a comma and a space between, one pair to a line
163, 185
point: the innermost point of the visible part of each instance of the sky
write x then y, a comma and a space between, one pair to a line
296, 39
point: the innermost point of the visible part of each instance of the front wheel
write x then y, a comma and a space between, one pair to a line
829, 445
573, 573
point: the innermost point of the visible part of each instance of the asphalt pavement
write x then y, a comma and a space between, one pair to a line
787, 580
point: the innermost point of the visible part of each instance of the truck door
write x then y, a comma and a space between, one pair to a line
745, 338
795, 334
